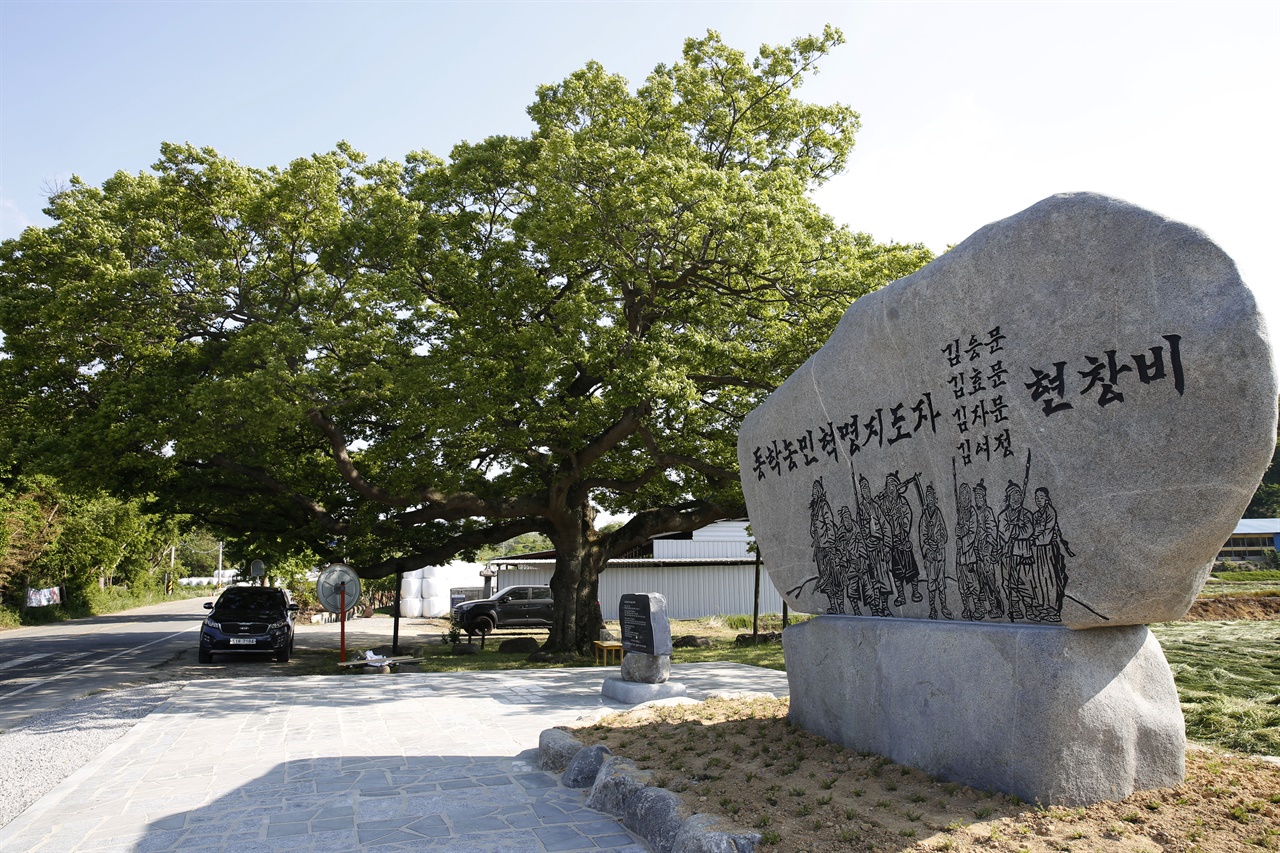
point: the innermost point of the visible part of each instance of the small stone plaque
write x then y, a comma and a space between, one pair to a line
637, 630
644, 623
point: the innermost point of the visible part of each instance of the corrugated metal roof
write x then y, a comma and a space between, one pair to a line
1258, 525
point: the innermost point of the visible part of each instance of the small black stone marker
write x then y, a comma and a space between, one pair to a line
636, 626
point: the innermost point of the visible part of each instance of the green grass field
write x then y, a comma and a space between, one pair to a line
1228, 677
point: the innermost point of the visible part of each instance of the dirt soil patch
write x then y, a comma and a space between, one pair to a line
1234, 608
744, 761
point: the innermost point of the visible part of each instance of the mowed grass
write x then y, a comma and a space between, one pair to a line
1230, 584
1228, 678
1247, 577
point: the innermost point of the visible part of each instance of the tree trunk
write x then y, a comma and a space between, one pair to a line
564, 589
589, 621
575, 585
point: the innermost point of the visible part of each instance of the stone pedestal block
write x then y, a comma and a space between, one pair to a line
646, 669
635, 692
1052, 715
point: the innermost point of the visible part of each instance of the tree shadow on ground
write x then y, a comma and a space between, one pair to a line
450, 802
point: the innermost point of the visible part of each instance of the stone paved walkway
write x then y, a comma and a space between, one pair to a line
378, 762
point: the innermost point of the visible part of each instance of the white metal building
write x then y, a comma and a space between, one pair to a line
709, 572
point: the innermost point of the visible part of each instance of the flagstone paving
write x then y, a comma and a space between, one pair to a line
378, 762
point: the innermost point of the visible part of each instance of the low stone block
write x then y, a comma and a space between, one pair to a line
757, 639
1060, 420
656, 815
1052, 715
617, 782
647, 669
556, 748
702, 833
690, 641
519, 645
635, 692
583, 767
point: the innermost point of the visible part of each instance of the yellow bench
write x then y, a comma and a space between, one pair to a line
607, 648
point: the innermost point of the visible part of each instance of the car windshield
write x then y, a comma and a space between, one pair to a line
250, 604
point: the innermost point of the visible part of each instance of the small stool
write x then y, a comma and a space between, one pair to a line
606, 648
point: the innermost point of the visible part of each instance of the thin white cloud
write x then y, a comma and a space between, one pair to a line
12, 219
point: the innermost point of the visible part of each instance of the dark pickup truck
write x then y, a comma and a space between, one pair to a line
528, 606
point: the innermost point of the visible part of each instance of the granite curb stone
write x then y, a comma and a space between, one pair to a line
618, 780
703, 833
656, 815
556, 748
582, 769
621, 789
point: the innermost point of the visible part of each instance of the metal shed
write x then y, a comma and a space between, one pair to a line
707, 572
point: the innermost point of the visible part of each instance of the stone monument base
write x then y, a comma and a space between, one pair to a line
635, 692
1052, 715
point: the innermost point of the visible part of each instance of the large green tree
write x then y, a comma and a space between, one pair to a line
1266, 500
396, 363
83, 543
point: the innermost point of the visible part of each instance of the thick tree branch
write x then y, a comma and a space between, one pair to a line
464, 541
461, 505
580, 460
708, 380
314, 509
628, 486
347, 468
669, 519
673, 460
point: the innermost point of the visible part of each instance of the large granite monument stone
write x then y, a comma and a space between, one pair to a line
1054, 425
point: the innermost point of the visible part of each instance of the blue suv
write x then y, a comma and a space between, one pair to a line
248, 619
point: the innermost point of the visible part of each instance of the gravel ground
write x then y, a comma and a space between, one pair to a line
49, 747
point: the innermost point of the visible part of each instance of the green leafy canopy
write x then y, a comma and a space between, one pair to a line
400, 362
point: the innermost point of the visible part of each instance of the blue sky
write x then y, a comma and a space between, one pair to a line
971, 111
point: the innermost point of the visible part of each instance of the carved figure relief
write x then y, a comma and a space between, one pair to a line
1008, 563
996, 552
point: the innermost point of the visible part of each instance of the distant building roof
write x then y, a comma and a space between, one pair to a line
720, 539
1258, 525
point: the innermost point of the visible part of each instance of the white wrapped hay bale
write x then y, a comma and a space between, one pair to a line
410, 587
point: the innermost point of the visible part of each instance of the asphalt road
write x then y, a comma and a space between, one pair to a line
48, 666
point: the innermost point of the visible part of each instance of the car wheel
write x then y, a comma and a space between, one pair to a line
283, 654
204, 656
484, 625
